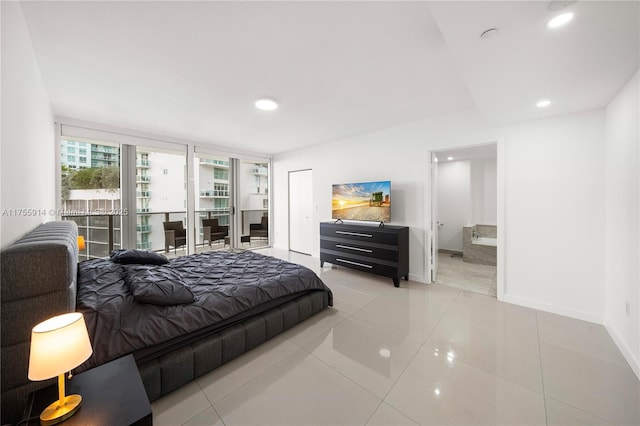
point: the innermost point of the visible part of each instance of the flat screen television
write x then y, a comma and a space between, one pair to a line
365, 201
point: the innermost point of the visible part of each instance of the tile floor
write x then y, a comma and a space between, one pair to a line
418, 354
454, 272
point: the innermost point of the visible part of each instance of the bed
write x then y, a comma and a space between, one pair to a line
227, 303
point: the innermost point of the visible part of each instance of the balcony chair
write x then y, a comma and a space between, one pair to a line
211, 231
260, 230
174, 235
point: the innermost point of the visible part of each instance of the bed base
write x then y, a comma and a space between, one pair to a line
38, 280
171, 371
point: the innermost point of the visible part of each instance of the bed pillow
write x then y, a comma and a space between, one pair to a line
158, 285
137, 257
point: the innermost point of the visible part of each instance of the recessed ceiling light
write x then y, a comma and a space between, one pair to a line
560, 20
543, 103
266, 104
449, 158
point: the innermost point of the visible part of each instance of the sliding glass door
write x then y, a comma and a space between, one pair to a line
161, 201
253, 190
90, 193
212, 187
128, 192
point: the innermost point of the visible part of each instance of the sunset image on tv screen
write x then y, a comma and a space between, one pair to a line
369, 201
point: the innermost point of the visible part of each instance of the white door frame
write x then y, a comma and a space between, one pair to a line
500, 219
433, 223
311, 219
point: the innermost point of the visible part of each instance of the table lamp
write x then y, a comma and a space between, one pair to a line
58, 345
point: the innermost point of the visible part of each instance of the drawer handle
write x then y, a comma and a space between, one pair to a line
354, 248
353, 263
357, 234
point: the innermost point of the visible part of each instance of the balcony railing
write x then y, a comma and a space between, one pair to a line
206, 161
140, 178
143, 194
103, 233
142, 163
214, 193
143, 228
104, 148
143, 245
216, 211
261, 171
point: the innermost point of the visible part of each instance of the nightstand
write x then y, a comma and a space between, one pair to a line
112, 395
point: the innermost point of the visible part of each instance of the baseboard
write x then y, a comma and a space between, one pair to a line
447, 251
627, 353
417, 278
571, 313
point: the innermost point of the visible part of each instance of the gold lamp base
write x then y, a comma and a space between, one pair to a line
60, 410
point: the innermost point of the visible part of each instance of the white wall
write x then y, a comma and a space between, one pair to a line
554, 184
467, 195
484, 201
454, 202
555, 215
622, 221
28, 150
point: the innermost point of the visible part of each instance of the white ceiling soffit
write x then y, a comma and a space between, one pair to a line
193, 69
486, 152
579, 66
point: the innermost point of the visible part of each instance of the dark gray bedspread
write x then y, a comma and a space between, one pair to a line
225, 285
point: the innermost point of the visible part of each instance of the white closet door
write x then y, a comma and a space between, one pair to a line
301, 230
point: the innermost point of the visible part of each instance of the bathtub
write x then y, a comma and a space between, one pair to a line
480, 249
485, 241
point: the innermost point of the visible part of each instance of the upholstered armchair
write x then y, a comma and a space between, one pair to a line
211, 231
260, 230
174, 235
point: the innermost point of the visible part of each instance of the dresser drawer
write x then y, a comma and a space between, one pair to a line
363, 234
369, 249
360, 263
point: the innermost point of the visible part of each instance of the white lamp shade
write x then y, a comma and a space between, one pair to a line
58, 345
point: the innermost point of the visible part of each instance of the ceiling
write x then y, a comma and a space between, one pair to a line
193, 69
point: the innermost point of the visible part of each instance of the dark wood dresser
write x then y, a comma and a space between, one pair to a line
378, 250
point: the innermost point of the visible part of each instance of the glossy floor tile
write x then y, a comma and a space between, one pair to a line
597, 387
418, 354
561, 414
230, 376
454, 272
400, 317
489, 312
369, 355
509, 356
579, 336
437, 389
386, 415
299, 390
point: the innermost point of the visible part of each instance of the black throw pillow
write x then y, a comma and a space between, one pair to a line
158, 285
137, 257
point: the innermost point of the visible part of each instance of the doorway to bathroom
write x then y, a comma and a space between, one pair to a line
463, 237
